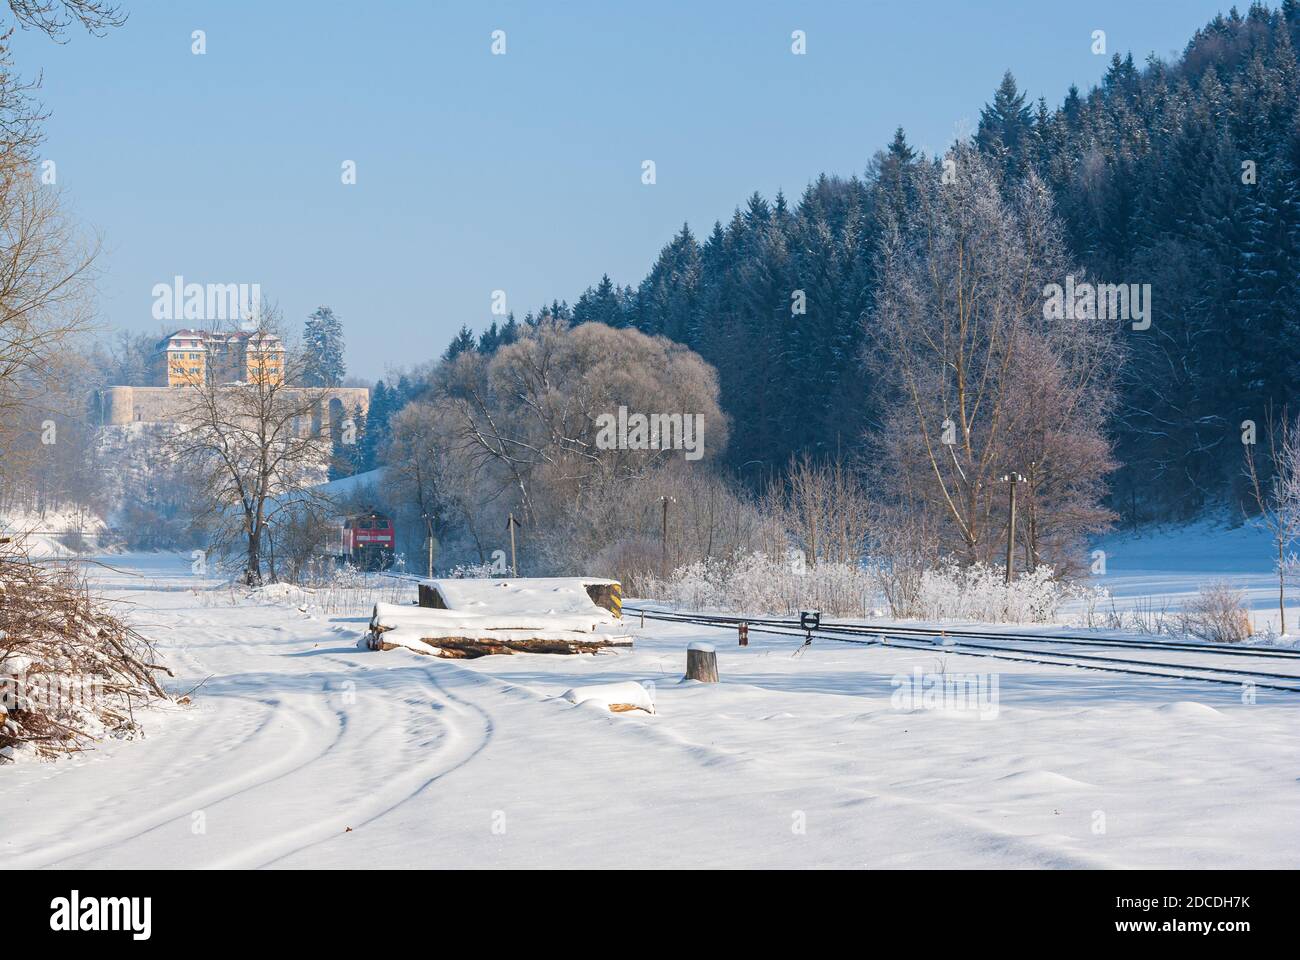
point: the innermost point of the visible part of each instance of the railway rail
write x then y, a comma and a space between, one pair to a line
1032, 648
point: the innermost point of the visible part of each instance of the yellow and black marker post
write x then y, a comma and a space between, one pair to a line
616, 599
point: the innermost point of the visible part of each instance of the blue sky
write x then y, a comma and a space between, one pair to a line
519, 172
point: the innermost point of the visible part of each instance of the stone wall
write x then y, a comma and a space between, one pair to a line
122, 405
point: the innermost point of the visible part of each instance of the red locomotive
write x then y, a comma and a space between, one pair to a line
366, 541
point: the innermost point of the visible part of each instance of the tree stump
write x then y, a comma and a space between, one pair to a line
702, 663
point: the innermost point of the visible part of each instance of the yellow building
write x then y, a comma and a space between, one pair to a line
260, 358
194, 357
181, 359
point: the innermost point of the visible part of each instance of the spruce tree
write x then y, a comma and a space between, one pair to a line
376, 425
1005, 124
323, 343
463, 341
602, 304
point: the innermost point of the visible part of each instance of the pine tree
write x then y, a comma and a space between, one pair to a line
464, 340
1005, 124
489, 340
345, 456
509, 330
382, 407
892, 178
323, 343
666, 301
602, 304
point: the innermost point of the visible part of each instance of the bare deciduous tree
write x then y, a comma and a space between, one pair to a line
45, 287
533, 410
428, 470
54, 17
260, 448
526, 431
825, 507
984, 382
1275, 493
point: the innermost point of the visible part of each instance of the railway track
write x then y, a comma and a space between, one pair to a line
1086, 653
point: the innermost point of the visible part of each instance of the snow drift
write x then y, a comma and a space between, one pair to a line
615, 697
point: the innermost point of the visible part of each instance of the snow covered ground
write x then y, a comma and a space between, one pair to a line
302, 750
52, 533
1167, 565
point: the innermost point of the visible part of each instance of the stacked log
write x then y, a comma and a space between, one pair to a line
446, 633
469, 648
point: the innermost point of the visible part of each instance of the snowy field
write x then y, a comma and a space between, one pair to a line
302, 750
1166, 567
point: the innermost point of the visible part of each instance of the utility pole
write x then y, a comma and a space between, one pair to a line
510, 525
663, 541
428, 527
1011, 479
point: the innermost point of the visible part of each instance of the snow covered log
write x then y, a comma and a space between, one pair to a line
702, 663
468, 648
525, 595
451, 633
390, 616
614, 697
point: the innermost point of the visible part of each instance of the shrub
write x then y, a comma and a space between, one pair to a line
980, 592
760, 583
70, 673
1217, 614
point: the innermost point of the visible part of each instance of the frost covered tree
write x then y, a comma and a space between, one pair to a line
533, 417
826, 510
45, 269
430, 480
982, 380
1006, 124
1275, 492
323, 349
253, 446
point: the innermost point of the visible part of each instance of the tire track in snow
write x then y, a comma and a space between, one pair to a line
107, 836
237, 805
462, 745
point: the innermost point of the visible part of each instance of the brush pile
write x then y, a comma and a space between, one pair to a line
71, 673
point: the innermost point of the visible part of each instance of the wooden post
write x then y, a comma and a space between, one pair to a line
511, 524
702, 663
1011, 479
1011, 531
663, 542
